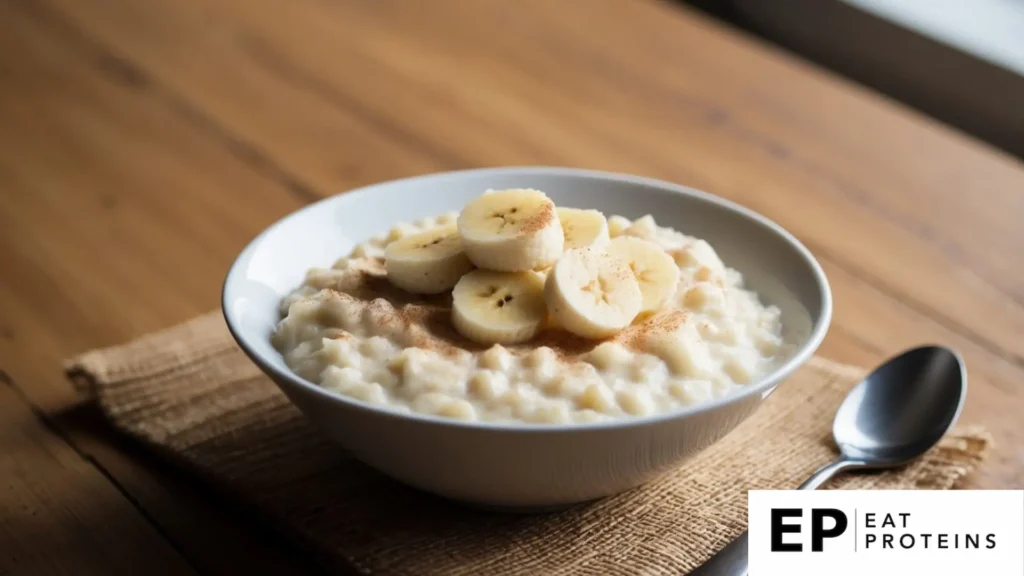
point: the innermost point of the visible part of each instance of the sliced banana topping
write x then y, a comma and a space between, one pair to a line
583, 228
592, 294
654, 269
617, 225
428, 262
499, 307
511, 231
540, 266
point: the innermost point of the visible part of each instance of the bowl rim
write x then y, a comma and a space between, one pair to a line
762, 387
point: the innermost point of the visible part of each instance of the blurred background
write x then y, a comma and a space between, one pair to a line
960, 61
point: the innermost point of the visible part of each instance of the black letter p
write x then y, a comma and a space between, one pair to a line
818, 532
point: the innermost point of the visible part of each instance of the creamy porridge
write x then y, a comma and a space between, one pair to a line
613, 318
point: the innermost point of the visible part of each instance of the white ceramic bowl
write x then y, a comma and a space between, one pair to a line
519, 466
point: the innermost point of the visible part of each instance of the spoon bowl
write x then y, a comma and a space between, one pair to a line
902, 408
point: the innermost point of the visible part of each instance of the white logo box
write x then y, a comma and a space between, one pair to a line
899, 532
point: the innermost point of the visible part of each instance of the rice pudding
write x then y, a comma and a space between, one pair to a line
517, 311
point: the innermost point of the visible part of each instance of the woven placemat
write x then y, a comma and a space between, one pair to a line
191, 392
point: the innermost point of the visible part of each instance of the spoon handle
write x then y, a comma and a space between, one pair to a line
826, 472
732, 560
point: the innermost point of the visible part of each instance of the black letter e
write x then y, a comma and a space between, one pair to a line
778, 529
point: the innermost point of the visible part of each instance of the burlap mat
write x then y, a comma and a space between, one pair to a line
189, 391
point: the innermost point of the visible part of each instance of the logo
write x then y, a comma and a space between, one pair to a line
856, 532
818, 530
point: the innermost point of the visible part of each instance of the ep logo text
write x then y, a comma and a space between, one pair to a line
824, 523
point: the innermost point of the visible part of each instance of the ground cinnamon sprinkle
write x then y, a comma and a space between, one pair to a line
664, 322
366, 280
539, 221
375, 266
430, 328
425, 321
567, 346
620, 271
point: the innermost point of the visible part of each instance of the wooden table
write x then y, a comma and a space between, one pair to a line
143, 143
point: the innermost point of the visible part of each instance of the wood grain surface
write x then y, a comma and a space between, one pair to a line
142, 144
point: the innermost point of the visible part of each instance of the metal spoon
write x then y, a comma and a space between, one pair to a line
893, 416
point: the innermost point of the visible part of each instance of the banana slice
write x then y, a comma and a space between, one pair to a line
511, 230
617, 225
499, 307
583, 228
655, 270
428, 262
592, 294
